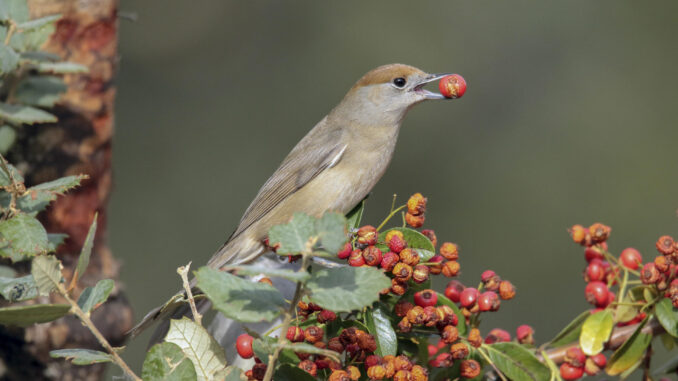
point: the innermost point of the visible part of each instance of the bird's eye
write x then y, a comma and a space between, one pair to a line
399, 82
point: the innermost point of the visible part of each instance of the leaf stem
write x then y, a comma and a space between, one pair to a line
390, 215
77, 311
183, 272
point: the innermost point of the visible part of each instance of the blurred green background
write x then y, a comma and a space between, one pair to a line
570, 117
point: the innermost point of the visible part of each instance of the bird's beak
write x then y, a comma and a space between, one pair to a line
419, 88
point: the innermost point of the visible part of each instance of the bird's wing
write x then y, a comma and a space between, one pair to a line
319, 150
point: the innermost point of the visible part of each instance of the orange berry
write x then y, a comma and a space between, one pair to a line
449, 251
451, 268
416, 204
415, 221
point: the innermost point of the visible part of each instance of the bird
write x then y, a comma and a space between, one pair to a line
332, 168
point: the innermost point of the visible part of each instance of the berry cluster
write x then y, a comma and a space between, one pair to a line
577, 363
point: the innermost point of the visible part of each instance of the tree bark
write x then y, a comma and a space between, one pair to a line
80, 142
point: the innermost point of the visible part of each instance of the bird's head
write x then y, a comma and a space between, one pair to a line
385, 94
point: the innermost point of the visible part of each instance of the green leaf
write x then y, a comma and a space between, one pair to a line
24, 316
9, 59
41, 91
19, 114
62, 68
18, 289
166, 361
238, 298
516, 362
379, 326
293, 236
555, 371
230, 373
331, 230
61, 185
7, 172
86, 251
93, 296
40, 56
207, 356
414, 240
46, 270
667, 316
287, 372
17, 10
668, 341
630, 353
54, 240
295, 276
7, 272
7, 138
346, 288
571, 332
461, 326
38, 23
25, 234
354, 217
81, 356
595, 332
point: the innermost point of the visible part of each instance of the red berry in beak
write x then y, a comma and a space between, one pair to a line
452, 86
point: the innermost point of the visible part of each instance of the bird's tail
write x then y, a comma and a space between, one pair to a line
235, 251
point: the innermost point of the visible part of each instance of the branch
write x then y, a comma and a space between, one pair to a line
617, 338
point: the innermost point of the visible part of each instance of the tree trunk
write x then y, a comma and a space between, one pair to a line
79, 143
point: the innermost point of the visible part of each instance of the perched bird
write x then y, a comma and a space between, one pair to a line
332, 168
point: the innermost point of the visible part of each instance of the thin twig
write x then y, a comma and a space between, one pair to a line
489, 361
10, 31
183, 272
646, 364
390, 215
102, 340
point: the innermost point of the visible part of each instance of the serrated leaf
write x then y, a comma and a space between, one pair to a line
62, 184
287, 372
46, 270
18, 289
461, 326
32, 201
25, 234
571, 332
630, 353
293, 237
240, 299
93, 296
20, 114
413, 238
295, 276
6, 170
86, 252
9, 59
595, 332
17, 10
331, 231
81, 356
166, 361
346, 288
379, 326
7, 138
354, 217
667, 316
38, 23
41, 91
207, 356
54, 240
40, 56
24, 316
516, 362
62, 68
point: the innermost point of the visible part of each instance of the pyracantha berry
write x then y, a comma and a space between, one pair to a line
334, 344
450, 334
452, 86
525, 334
243, 345
436, 264
595, 364
402, 272
459, 351
665, 245
404, 325
409, 257
631, 258
259, 371
453, 290
402, 375
372, 256
488, 301
339, 375
326, 316
295, 334
470, 369
425, 298
578, 234
397, 287
389, 260
346, 251
497, 335
420, 273
662, 263
474, 337
353, 372
367, 235
415, 221
569, 372
592, 253
416, 315
490, 280
506, 290
431, 235
376, 372
309, 367
416, 204
356, 258
597, 293
650, 274
599, 232
575, 357
451, 268
313, 334
402, 308
396, 244
449, 251
468, 297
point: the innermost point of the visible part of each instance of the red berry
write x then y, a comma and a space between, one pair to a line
295, 334
453, 290
432, 350
346, 251
525, 334
467, 298
497, 335
426, 298
575, 357
631, 258
592, 253
452, 86
326, 315
568, 372
372, 256
597, 293
397, 244
488, 301
356, 259
595, 271
389, 260
367, 235
243, 345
